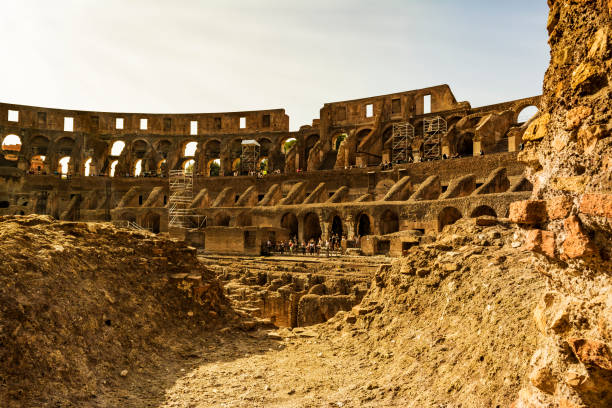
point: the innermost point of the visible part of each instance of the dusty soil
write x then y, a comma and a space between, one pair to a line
448, 326
80, 303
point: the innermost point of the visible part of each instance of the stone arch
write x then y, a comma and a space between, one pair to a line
189, 148
163, 147
361, 134
336, 225
151, 221
389, 222
483, 210
387, 136
363, 225
464, 146
448, 216
525, 112
117, 148
284, 143
265, 146
311, 141
337, 138
222, 219
39, 145
290, 222
244, 220
312, 227
140, 148
11, 143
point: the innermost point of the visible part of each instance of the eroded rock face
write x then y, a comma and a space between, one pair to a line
569, 154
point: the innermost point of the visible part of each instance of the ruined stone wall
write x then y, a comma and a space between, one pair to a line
569, 153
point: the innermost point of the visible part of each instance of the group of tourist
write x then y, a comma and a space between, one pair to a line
312, 247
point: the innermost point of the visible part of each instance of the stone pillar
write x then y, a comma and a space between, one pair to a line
477, 147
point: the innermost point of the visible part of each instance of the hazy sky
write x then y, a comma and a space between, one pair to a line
180, 56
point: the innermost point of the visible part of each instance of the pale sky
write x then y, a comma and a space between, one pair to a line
183, 56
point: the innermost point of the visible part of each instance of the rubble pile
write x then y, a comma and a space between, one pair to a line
88, 310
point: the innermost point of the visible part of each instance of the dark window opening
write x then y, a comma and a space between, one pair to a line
217, 123
237, 198
265, 121
444, 188
341, 113
260, 197
167, 124
95, 122
4, 204
165, 200
396, 106
249, 239
139, 200
42, 118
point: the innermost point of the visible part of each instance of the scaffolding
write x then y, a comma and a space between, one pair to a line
403, 135
249, 159
180, 215
433, 131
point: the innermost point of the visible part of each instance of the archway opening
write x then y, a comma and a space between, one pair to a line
214, 167
448, 216
64, 166
337, 140
138, 168
263, 164
362, 134
288, 144
312, 227
190, 149
526, 113
465, 145
483, 210
151, 222
87, 167
113, 166
290, 222
222, 220
188, 166
161, 167
117, 148
37, 164
363, 225
12, 145
389, 222
336, 226
236, 169
311, 141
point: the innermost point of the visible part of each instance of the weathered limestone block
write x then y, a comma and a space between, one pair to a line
430, 189
537, 129
128, 198
596, 204
559, 207
460, 187
592, 352
575, 116
540, 241
528, 212
577, 243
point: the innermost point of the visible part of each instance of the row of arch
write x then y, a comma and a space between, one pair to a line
311, 226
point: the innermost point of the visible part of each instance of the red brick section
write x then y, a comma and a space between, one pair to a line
596, 204
577, 244
558, 207
592, 352
528, 212
540, 241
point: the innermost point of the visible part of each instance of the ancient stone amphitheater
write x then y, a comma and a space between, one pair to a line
228, 181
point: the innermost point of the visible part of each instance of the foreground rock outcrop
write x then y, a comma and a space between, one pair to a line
569, 221
88, 311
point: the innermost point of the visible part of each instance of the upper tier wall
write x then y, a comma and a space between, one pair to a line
38, 118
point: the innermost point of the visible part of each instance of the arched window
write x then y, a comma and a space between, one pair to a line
138, 168
64, 165
188, 165
190, 149
526, 113
117, 148
87, 171
11, 143
112, 168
